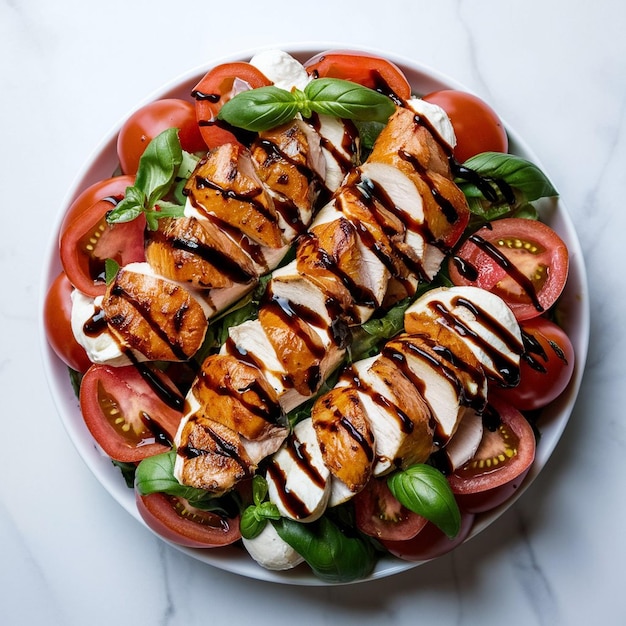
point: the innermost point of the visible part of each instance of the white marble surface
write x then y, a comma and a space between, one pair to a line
69, 70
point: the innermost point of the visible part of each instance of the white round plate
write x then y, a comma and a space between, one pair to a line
574, 309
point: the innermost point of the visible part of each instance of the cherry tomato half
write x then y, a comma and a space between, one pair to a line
430, 542
476, 125
523, 261
150, 120
546, 366
379, 514
367, 70
109, 187
176, 521
130, 415
503, 458
89, 241
57, 323
216, 88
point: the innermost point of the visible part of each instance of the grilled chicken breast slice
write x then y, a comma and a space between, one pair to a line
225, 184
154, 316
210, 456
197, 252
345, 436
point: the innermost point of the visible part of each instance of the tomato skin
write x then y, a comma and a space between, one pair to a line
109, 187
430, 542
477, 127
546, 367
158, 512
150, 120
58, 327
122, 242
214, 90
115, 402
378, 513
532, 247
477, 491
367, 70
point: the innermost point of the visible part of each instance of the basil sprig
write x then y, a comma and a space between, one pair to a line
255, 516
266, 107
500, 185
162, 163
424, 490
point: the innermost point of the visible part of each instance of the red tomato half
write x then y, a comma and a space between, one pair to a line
216, 88
367, 70
152, 119
89, 241
109, 187
176, 521
523, 261
476, 125
131, 416
378, 513
546, 366
430, 542
503, 459
57, 322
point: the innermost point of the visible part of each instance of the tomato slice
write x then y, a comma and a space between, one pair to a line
57, 323
132, 412
430, 542
503, 459
546, 366
523, 261
477, 127
216, 88
367, 70
379, 514
109, 187
177, 521
89, 241
150, 120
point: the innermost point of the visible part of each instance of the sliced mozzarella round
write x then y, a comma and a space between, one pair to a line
465, 441
482, 320
298, 481
270, 551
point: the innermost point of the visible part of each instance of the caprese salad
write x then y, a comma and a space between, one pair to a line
313, 313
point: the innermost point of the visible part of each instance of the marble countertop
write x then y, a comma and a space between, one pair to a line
69, 554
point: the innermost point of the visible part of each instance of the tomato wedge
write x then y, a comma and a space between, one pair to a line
150, 120
57, 322
89, 241
109, 187
430, 542
503, 459
175, 520
367, 70
379, 514
216, 88
546, 367
130, 414
523, 261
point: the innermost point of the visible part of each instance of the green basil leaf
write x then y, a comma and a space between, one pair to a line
348, 100
260, 109
159, 166
111, 267
515, 171
332, 553
424, 490
129, 208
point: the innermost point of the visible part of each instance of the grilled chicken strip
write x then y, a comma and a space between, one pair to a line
155, 317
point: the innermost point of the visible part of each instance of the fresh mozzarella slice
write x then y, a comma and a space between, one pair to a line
482, 320
465, 441
281, 68
298, 480
270, 551
437, 118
